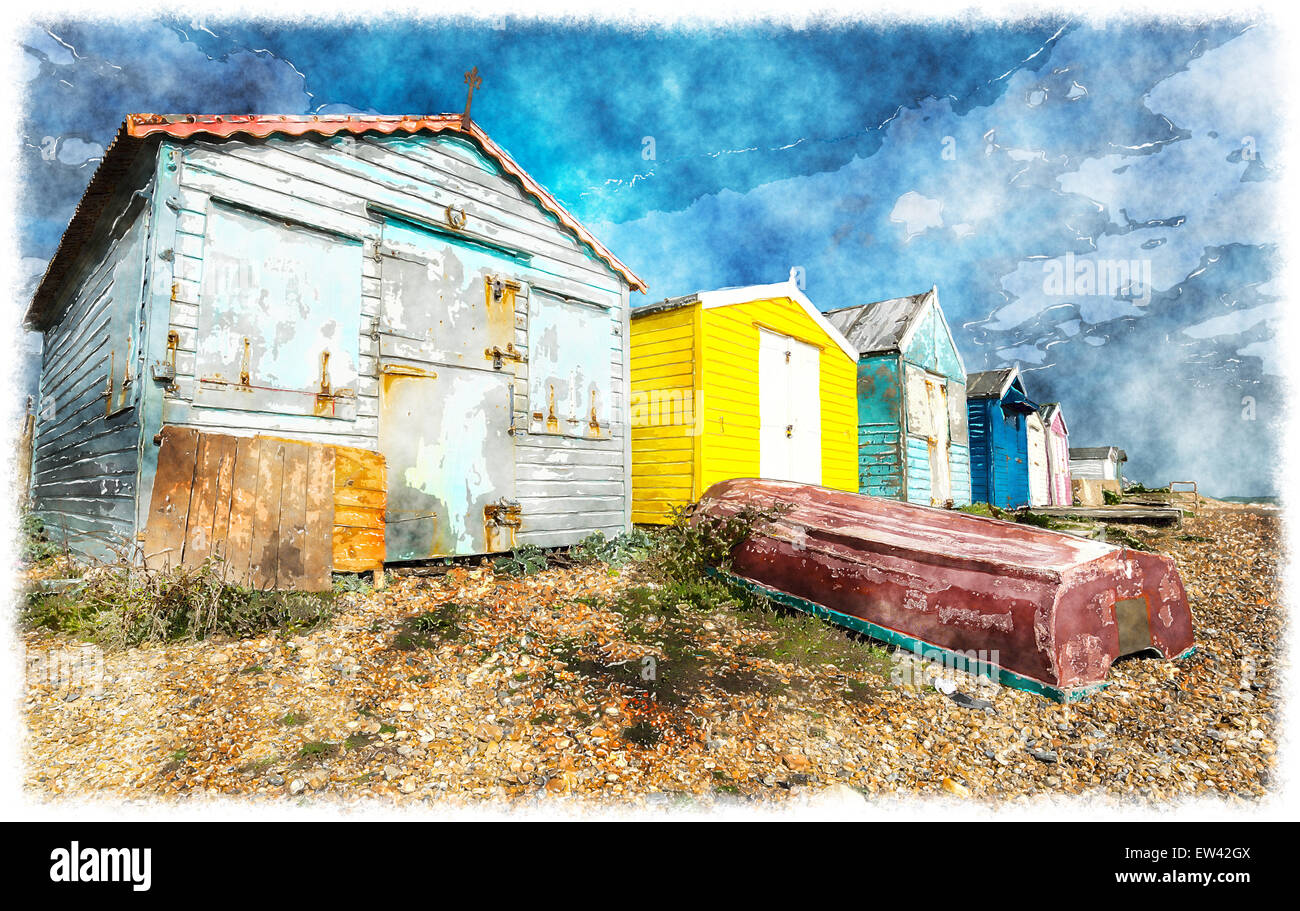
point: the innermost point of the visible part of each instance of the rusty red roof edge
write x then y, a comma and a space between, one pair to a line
138, 128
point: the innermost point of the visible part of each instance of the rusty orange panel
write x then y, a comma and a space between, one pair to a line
360, 497
358, 550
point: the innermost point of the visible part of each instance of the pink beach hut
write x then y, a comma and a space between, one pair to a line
1058, 455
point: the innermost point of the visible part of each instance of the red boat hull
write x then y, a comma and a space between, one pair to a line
1047, 611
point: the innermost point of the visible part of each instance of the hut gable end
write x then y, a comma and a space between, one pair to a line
912, 426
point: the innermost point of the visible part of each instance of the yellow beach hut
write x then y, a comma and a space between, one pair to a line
738, 383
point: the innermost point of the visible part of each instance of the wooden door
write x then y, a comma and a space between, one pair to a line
939, 443
1036, 449
446, 429
805, 413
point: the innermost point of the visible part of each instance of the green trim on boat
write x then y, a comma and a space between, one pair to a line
926, 650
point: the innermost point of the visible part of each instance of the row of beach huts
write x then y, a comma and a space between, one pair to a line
308, 344
871, 398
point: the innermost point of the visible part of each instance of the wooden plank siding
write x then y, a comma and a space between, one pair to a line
729, 345
262, 508
567, 486
85, 451
959, 465
360, 492
704, 361
896, 423
999, 455
664, 362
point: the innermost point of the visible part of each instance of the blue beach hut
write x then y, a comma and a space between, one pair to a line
999, 411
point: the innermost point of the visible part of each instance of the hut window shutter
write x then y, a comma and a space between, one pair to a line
279, 317
570, 349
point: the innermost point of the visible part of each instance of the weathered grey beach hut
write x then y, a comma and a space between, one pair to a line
913, 440
379, 332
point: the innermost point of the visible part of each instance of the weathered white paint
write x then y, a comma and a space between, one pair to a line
323, 214
940, 475
335, 185
449, 452
85, 450
277, 301
568, 386
1094, 469
1036, 438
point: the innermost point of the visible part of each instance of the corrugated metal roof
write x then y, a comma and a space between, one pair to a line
1098, 452
879, 326
668, 303
141, 130
989, 383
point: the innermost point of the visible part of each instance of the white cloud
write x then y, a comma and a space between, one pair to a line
917, 213
1267, 352
74, 151
1219, 207
1233, 323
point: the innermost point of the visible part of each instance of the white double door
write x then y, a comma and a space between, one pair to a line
789, 409
1039, 476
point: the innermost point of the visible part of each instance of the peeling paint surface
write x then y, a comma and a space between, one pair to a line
447, 441
912, 425
446, 419
568, 366
1043, 601
279, 317
253, 209
432, 299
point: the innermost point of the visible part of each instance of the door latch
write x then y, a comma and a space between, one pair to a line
498, 357
499, 290
164, 371
505, 513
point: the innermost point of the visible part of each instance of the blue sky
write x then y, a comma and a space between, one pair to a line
1094, 204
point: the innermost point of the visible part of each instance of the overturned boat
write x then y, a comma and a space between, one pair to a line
1034, 609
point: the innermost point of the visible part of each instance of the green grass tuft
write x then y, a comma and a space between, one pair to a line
124, 605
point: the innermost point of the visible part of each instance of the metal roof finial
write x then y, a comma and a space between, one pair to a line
473, 80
